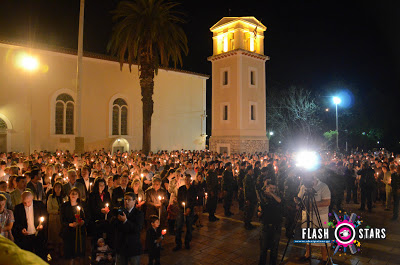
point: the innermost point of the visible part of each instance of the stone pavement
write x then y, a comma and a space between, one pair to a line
227, 242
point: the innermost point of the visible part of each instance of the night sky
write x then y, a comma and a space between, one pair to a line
323, 45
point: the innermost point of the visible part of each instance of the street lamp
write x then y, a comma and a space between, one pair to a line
271, 133
337, 101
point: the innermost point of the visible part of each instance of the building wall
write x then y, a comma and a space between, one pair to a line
179, 102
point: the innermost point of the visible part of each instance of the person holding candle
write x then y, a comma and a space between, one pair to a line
139, 193
99, 207
54, 202
73, 228
86, 180
186, 201
200, 186
154, 237
28, 230
156, 200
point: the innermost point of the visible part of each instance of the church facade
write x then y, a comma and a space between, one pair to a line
37, 105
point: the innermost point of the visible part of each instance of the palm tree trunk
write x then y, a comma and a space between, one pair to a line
147, 87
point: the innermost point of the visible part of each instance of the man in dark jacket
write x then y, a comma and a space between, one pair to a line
227, 188
367, 181
128, 223
212, 189
119, 192
250, 198
30, 225
186, 202
242, 174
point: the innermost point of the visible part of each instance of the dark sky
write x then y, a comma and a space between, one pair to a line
321, 45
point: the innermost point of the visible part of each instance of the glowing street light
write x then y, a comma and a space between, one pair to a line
271, 133
337, 101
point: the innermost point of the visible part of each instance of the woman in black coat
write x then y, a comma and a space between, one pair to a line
73, 227
99, 206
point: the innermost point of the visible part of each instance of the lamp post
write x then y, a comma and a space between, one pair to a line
29, 64
337, 101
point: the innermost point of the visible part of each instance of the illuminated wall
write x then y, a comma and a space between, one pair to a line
179, 103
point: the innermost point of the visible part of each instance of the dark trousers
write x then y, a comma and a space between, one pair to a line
269, 239
154, 256
249, 212
351, 189
366, 195
34, 244
241, 199
395, 204
180, 221
212, 204
228, 201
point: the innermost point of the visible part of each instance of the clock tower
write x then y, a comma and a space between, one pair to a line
238, 86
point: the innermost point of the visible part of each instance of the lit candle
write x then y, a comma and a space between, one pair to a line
59, 174
90, 186
41, 220
140, 199
164, 232
106, 211
159, 210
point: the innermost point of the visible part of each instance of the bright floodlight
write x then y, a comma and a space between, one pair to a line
271, 133
28, 62
307, 160
337, 100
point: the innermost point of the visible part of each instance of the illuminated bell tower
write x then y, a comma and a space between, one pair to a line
238, 86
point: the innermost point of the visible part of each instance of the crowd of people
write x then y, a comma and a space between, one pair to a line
57, 202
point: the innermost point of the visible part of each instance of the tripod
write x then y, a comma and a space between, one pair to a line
309, 205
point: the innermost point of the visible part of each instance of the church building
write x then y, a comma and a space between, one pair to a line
38, 97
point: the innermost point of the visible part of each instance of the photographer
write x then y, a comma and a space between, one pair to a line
128, 222
270, 212
322, 196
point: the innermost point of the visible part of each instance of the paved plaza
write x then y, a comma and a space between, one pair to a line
227, 242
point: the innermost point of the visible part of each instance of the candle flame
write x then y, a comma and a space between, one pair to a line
79, 208
41, 219
106, 204
183, 203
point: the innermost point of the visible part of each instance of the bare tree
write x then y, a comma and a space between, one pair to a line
292, 115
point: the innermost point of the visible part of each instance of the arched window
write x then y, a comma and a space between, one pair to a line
120, 117
3, 125
64, 114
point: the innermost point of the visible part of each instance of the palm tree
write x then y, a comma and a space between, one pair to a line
147, 33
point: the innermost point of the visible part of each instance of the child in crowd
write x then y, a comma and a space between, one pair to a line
153, 240
103, 252
173, 211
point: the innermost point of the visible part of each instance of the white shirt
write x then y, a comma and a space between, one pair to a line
30, 220
322, 193
87, 183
